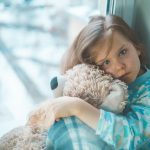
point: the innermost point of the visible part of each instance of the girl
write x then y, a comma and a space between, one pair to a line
110, 43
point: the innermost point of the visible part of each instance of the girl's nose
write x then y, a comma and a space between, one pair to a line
118, 69
119, 66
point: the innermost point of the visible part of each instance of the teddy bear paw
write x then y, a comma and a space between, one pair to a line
122, 105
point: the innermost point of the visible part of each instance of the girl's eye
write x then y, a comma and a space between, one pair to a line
123, 52
106, 62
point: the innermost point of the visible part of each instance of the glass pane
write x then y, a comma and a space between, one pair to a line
33, 37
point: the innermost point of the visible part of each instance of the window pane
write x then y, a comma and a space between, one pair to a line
33, 37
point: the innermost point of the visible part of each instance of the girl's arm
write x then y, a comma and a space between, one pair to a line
87, 113
47, 113
73, 106
61, 107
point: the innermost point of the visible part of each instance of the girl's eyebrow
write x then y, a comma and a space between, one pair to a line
121, 47
124, 45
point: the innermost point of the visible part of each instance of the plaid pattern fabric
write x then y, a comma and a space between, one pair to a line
144, 146
72, 134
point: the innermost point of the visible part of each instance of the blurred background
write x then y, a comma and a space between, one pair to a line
33, 37
34, 34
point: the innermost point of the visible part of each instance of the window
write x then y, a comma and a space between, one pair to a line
33, 37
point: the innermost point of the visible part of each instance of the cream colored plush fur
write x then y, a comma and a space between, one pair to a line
93, 85
24, 138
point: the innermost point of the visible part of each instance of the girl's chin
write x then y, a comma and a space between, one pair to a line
130, 80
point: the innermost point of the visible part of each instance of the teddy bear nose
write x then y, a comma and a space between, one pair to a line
54, 83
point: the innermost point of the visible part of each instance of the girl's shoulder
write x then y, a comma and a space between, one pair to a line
139, 90
145, 79
141, 81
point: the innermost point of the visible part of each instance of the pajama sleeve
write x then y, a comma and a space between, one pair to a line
125, 132
131, 130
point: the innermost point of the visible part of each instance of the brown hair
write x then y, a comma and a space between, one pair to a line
80, 50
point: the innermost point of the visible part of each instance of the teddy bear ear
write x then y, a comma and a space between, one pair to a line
54, 83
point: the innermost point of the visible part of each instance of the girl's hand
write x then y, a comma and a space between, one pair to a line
46, 114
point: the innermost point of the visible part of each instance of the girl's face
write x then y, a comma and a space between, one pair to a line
121, 60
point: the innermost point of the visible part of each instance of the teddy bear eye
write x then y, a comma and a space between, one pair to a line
54, 83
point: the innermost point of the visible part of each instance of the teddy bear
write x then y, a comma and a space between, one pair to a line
91, 84
24, 138
85, 81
